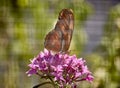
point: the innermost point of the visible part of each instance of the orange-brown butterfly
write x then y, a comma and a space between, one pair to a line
58, 40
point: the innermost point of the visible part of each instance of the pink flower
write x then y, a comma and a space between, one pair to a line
63, 68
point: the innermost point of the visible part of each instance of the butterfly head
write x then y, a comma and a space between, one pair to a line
65, 13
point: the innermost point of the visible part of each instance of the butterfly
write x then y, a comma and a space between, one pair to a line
59, 39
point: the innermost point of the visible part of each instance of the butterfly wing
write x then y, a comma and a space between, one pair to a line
53, 41
58, 40
66, 18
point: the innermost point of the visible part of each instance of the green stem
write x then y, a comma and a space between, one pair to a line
38, 74
53, 83
41, 84
41, 75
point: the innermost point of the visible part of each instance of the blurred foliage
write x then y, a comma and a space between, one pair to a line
107, 73
23, 26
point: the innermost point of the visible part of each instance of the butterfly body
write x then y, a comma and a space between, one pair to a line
58, 40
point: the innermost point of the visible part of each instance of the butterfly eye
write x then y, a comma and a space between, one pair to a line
59, 17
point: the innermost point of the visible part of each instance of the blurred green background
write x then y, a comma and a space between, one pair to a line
24, 24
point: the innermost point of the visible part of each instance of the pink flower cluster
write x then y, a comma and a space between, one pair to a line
63, 68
